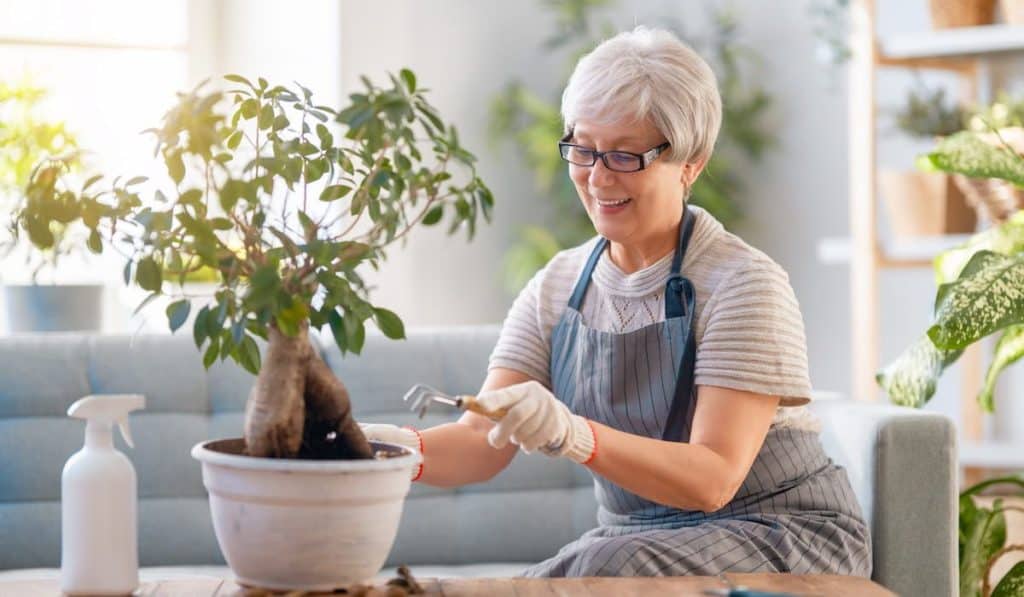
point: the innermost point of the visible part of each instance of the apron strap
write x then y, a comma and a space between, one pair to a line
576, 300
680, 302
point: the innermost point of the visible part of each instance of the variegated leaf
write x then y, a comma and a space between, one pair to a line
1012, 583
1009, 350
1006, 239
970, 154
910, 380
986, 536
988, 296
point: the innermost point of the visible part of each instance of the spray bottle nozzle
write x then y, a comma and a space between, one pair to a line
109, 409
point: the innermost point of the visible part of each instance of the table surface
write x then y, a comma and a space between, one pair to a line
682, 586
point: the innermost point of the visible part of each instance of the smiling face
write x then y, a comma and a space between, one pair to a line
638, 210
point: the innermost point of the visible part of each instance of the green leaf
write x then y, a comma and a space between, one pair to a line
175, 166
409, 79
326, 138
389, 323
199, 331
95, 243
1009, 350
334, 192
355, 333
291, 317
247, 354
234, 140
911, 379
211, 351
978, 157
338, 330
985, 537
1012, 583
239, 79
148, 275
434, 215
177, 313
1006, 239
988, 296
136, 180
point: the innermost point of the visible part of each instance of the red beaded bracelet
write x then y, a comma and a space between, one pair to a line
593, 431
419, 437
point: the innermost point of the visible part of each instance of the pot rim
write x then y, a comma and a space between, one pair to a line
204, 454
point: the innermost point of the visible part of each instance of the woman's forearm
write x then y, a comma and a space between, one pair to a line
457, 454
682, 475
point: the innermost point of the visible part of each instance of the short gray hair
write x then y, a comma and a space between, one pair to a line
648, 74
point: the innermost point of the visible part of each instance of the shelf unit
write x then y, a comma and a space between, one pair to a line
965, 51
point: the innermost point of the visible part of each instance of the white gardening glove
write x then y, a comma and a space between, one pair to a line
536, 420
393, 434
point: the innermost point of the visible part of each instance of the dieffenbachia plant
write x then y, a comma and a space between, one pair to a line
981, 284
286, 200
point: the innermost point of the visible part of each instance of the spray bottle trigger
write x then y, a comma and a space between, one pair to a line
122, 424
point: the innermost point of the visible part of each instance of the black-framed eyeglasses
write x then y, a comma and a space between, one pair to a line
619, 161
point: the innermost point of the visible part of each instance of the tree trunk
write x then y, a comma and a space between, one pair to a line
298, 408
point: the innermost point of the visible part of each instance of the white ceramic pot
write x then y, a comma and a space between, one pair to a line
309, 525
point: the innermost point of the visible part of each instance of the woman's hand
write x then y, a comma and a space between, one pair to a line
536, 420
393, 434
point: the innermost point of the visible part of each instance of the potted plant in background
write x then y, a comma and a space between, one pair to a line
25, 139
920, 203
995, 199
287, 210
980, 292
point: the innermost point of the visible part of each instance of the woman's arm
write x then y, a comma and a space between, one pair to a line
458, 453
729, 427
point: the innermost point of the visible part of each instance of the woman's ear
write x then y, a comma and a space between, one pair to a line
691, 171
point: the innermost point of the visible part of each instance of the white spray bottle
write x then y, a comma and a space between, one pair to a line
99, 537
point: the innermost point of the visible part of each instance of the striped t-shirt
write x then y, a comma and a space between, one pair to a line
749, 331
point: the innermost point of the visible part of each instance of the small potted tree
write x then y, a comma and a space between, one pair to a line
287, 209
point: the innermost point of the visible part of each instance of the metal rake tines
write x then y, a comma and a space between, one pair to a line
420, 396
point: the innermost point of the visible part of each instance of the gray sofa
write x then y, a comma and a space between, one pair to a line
901, 462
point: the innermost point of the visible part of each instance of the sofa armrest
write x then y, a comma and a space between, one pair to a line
902, 464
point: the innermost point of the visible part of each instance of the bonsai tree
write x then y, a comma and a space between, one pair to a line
26, 138
287, 201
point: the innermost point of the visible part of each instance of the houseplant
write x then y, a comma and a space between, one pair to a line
980, 292
26, 137
287, 209
532, 122
920, 203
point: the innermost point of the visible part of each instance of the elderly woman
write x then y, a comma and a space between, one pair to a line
666, 355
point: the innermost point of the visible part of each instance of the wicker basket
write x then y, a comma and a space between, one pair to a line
961, 13
994, 199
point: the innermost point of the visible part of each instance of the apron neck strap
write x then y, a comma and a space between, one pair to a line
673, 302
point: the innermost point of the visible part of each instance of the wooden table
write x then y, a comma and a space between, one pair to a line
683, 586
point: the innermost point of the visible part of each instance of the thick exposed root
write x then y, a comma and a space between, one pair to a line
330, 431
275, 411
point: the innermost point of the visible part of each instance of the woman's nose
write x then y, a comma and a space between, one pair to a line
600, 175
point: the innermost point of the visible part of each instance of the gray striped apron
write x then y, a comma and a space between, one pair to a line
795, 511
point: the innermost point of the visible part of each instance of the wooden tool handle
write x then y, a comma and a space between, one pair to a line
469, 403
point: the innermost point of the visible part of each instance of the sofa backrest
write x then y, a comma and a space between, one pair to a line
901, 462
535, 506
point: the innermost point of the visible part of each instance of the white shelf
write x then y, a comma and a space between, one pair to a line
1002, 455
960, 42
836, 250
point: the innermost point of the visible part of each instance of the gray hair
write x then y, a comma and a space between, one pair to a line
648, 74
